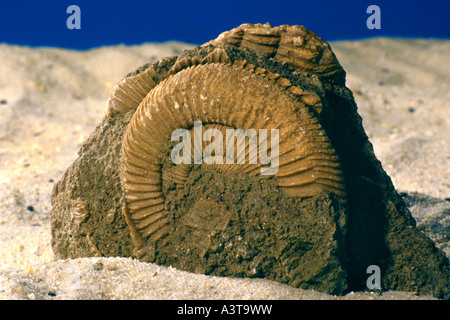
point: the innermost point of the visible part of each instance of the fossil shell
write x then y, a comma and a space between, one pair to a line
220, 94
111, 215
294, 45
231, 224
128, 93
81, 212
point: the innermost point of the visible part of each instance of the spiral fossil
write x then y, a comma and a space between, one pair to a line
328, 212
217, 92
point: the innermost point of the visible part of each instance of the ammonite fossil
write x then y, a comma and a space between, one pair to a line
274, 176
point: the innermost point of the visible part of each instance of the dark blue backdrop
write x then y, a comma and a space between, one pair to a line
43, 23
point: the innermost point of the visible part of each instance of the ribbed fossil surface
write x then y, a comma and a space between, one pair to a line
218, 92
294, 45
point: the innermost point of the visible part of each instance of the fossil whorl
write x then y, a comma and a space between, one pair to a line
221, 95
295, 45
228, 220
129, 92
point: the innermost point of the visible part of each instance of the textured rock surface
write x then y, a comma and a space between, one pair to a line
87, 202
318, 234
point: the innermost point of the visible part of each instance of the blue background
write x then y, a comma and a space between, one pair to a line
43, 23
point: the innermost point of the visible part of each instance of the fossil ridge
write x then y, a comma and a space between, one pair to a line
330, 213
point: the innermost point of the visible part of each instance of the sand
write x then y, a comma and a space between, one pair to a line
51, 99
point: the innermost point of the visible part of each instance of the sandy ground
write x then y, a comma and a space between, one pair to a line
51, 99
